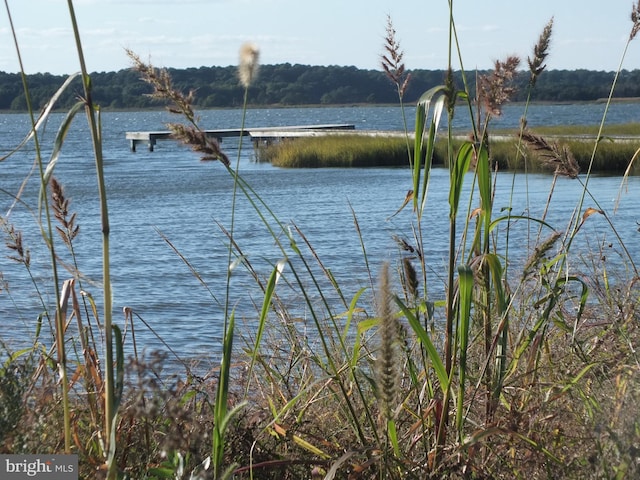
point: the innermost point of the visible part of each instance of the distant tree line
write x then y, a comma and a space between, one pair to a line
286, 84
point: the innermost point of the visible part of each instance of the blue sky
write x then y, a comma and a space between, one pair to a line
588, 34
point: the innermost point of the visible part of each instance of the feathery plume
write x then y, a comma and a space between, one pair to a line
635, 18
15, 243
387, 363
540, 53
407, 247
391, 60
497, 88
553, 155
163, 88
181, 104
60, 206
410, 279
539, 253
199, 142
248, 64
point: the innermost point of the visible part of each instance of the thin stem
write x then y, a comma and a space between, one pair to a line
577, 218
48, 236
109, 412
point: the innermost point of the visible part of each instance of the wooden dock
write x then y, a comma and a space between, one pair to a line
258, 135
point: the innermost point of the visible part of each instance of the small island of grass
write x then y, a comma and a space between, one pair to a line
615, 150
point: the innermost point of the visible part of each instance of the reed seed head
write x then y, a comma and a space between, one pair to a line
553, 155
635, 19
388, 361
60, 205
208, 147
407, 247
163, 89
539, 254
497, 88
248, 64
181, 104
410, 278
14, 243
540, 53
391, 60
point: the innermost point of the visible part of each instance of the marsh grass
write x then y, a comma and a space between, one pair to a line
611, 157
507, 153
532, 374
336, 151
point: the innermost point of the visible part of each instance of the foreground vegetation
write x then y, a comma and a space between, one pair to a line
508, 368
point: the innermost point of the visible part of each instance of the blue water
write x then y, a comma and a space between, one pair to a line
172, 192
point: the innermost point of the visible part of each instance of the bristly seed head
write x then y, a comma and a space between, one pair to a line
410, 278
180, 104
497, 88
540, 53
248, 64
391, 60
539, 253
60, 205
553, 155
388, 361
14, 243
635, 18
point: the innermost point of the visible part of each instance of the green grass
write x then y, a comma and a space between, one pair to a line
337, 151
613, 155
569, 131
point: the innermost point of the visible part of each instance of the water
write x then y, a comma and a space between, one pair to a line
172, 192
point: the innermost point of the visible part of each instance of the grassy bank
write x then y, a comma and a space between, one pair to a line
613, 155
336, 151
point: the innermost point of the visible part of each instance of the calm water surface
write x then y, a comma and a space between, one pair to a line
172, 192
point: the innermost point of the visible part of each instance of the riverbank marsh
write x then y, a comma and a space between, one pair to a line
508, 152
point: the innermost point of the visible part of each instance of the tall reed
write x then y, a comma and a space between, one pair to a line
47, 231
247, 71
93, 118
66, 293
480, 290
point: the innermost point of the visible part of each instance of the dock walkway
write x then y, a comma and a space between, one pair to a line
258, 135
266, 135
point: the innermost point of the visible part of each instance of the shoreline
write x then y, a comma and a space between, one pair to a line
617, 100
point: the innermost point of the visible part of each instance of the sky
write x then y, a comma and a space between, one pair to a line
589, 34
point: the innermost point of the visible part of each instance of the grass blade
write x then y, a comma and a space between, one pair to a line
426, 342
458, 170
44, 116
424, 147
220, 407
266, 305
465, 277
63, 130
483, 171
